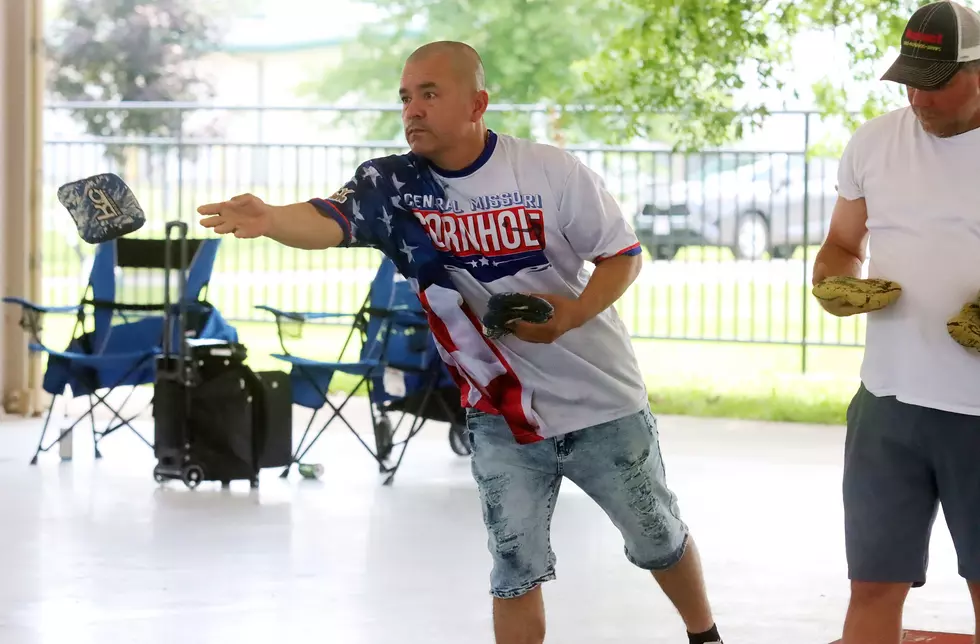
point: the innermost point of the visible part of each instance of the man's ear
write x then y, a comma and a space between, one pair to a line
480, 104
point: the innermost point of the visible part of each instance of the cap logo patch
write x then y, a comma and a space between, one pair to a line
920, 40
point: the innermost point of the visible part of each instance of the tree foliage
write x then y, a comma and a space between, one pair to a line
533, 52
130, 50
691, 57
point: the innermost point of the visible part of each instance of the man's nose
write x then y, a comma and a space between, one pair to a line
919, 98
413, 110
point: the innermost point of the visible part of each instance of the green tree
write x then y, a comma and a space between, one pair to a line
533, 52
689, 57
130, 50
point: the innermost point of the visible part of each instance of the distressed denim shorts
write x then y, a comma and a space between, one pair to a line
618, 464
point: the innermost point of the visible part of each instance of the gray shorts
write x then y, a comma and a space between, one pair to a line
900, 462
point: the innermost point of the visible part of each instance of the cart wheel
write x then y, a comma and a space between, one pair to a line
158, 475
457, 440
254, 484
225, 485
192, 475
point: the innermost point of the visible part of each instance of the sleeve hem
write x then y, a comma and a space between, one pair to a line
635, 249
850, 196
327, 209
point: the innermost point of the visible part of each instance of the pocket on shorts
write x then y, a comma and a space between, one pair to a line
476, 419
478, 424
853, 405
650, 420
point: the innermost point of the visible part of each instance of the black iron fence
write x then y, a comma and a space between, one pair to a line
729, 234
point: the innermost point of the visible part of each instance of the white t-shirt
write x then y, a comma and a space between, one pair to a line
524, 217
590, 375
923, 199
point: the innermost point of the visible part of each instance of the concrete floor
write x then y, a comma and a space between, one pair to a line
98, 552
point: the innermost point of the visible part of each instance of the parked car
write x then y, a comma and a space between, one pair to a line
664, 231
753, 208
764, 212
665, 223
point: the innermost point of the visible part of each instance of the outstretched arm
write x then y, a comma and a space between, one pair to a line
299, 225
310, 225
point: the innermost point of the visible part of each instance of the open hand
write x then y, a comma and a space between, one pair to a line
246, 216
565, 318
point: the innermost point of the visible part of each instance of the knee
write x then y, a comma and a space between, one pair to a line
661, 558
878, 596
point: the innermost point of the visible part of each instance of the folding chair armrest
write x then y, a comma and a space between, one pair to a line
302, 316
326, 316
276, 312
73, 308
297, 319
31, 315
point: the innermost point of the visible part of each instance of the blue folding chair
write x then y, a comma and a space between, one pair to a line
395, 339
119, 347
419, 385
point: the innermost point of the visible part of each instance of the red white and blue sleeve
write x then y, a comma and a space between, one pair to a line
591, 219
357, 207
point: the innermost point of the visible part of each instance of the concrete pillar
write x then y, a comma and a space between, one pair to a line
21, 99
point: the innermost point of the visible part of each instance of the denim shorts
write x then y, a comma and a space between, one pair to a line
901, 462
618, 464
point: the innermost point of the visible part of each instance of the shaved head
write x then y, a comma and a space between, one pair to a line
444, 97
465, 61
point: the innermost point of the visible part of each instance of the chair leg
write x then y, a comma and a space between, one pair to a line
95, 435
64, 433
44, 430
418, 422
413, 430
458, 442
297, 454
117, 415
301, 451
123, 422
337, 414
383, 437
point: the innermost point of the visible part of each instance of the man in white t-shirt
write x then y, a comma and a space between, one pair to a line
908, 184
469, 213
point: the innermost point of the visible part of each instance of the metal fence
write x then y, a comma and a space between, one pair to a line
729, 234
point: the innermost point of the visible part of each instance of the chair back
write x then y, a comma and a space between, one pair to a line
411, 348
397, 329
374, 314
127, 277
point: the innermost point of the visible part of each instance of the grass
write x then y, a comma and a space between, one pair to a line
751, 382
707, 379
